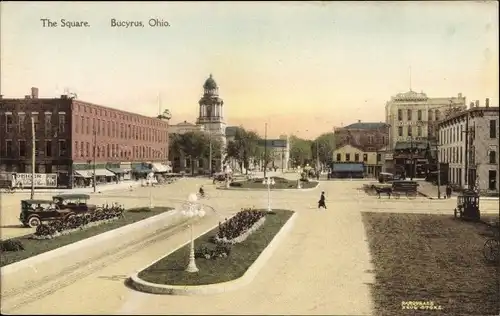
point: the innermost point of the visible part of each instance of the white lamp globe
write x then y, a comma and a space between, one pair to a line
201, 213
192, 197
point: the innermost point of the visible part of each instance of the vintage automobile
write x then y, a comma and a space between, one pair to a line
468, 206
76, 203
34, 212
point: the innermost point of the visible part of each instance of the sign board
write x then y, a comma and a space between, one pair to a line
389, 156
42, 180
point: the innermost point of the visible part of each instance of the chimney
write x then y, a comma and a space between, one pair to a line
27, 96
359, 121
471, 105
487, 102
63, 96
460, 95
34, 93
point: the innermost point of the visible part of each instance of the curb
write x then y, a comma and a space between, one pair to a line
87, 242
216, 288
259, 189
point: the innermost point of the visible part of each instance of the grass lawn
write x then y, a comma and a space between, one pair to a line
170, 270
33, 247
431, 258
281, 183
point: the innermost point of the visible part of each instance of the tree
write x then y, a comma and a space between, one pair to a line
194, 145
323, 147
243, 147
300, 151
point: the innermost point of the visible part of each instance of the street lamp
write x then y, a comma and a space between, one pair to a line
269, 182
193, 211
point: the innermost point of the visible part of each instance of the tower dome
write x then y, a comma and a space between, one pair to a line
210, 83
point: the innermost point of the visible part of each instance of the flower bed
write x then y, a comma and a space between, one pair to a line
77, 222
280, 184
238, 228
232, 260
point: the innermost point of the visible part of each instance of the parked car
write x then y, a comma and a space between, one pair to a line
76, 203
34, 212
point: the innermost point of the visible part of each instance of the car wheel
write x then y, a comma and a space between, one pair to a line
34, 222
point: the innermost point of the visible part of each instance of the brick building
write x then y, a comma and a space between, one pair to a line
367, 141
66, 131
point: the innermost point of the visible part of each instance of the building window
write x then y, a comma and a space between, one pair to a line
48, 148
408, 114
365, 157
493, 129
400, 131
37, 148
356, 157
419, 131
429, 115
82, 127
370, 139
492, 180
9, 121
419, 115
62, 123
461, 133
400, 115
88, 149
8, 148
82, 149
36, 122
347, 157
62, 148
493, 156
339, 157
98, 127
437, 115
461, 154
379, 158
22, 148
87, 125
410, 134
22, 122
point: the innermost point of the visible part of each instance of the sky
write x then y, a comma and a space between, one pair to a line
303, 68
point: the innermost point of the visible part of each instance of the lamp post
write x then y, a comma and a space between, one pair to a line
95, 149
192, 212
269, 182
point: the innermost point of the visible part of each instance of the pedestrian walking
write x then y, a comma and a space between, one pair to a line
448, 191
321, 202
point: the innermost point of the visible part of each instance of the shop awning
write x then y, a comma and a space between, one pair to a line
103, 173
158, 167
83, 173
118, 170
141, 169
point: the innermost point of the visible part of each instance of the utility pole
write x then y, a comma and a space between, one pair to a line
265, 150
317, 155
467, 150
411, 158
438, 171
95, 149
210, 153
33, 157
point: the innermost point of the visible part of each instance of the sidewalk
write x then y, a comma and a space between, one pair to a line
100, 188
430, 191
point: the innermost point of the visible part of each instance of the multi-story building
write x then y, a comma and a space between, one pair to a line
210, 120
412, 118
71, 136
468, 142
362, 142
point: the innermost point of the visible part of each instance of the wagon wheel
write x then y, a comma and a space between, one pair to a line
411, 195
491, 250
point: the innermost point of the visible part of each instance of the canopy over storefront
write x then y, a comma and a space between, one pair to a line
119, 171
83, 173
158, 167
142, 169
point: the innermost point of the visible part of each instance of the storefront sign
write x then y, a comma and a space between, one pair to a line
42, 180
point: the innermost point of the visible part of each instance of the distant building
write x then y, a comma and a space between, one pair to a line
413, 116
362, 142
278, 151
468, 142
210, 120
66, 131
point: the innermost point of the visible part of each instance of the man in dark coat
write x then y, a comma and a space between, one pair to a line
321, 202
448, 191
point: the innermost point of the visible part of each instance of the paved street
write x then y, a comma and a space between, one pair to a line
323, 267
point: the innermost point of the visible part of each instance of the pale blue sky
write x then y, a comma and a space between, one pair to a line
273, 61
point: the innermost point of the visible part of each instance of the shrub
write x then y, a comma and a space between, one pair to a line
11, 245
219, 251
45, 230
235, 184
